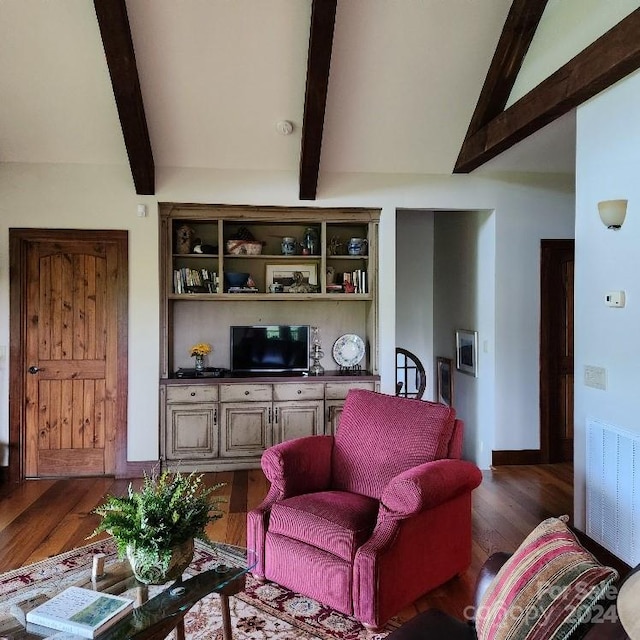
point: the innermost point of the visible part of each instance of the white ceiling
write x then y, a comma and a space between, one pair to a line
216, 76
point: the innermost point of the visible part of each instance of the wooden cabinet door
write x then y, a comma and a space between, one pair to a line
334, 411
245, 429
192, 431
297, 419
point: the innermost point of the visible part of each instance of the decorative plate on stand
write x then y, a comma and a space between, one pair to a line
348, 350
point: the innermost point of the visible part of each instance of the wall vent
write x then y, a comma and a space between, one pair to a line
613, 490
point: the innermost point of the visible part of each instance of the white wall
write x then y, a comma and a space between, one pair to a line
608, 157
92, 197
567, 27
75, 196
414, 288
487, 275
517, 325
464, 296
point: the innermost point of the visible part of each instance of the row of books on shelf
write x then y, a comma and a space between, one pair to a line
357, 280
76, 612
188, 280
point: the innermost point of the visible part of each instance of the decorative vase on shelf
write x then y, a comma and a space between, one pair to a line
310, 240
288, 246
199, 351
316, 369
357, 246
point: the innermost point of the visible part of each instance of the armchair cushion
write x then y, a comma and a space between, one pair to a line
386, 435
334, 521
545, 590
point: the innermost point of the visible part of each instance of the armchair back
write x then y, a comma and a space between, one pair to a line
381, 436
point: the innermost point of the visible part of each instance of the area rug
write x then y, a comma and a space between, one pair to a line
261, 612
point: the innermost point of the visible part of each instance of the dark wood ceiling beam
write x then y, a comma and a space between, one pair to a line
517, 34
323, 16
121, 60
610, 58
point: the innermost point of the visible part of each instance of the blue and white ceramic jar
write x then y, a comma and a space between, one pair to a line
288, 246
357, 247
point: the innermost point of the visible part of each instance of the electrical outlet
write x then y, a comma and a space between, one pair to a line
595, 377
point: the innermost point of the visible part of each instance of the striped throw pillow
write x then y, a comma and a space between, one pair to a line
545, 590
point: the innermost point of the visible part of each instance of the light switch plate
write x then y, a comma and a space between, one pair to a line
595, 377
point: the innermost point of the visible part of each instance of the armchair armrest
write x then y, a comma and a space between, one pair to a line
294, 467
298, 466
488, 572
428, 485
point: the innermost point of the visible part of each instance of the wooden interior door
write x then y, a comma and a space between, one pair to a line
73, 364
556, 350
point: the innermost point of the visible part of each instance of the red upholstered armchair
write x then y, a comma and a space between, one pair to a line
368, 520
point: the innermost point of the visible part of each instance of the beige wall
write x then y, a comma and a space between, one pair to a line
102, 197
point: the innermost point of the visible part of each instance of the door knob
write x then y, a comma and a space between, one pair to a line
33, 370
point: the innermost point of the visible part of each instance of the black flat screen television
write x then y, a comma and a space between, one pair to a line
270, 348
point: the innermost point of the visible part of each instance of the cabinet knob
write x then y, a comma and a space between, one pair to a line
299, 391
193, 393
246, 393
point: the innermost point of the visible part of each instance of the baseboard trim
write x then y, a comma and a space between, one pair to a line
137, 469
519, 456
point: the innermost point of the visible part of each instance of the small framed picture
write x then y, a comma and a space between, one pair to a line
283, 274
444, 380
467, 351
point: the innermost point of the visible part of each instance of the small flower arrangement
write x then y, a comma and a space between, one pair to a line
200, 349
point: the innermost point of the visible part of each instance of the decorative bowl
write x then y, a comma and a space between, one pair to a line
244, 248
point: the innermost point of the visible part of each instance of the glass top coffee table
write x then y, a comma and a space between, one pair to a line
154, 618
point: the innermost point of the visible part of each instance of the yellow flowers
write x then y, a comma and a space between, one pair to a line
200, 349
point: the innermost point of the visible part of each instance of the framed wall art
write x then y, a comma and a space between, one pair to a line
444, 381
282, 274
467, 351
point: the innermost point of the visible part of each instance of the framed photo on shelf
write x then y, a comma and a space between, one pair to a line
444, 381
282, 274
467, 351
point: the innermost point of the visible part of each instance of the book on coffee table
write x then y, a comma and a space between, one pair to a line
82, 612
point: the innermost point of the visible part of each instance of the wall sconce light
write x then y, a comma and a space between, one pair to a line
612, 212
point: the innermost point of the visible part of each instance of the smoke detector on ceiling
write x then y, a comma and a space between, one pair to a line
284, 127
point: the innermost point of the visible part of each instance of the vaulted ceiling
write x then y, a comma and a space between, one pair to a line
372, 86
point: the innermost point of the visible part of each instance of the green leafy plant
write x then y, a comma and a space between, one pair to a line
169, 509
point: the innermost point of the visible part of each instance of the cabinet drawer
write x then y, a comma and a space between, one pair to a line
192, 393
298, 391
339, 390
245, 392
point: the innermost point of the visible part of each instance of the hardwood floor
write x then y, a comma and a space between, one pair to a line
40, 518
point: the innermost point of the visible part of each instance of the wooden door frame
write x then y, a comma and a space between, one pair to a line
548, 333
18, 242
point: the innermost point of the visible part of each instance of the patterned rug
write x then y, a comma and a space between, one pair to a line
262, 611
